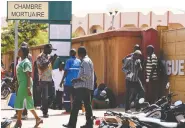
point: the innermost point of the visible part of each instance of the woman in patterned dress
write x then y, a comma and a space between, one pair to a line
24, 92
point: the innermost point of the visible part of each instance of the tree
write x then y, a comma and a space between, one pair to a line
28, 32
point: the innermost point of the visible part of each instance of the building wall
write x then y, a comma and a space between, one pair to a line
122, 19
144, 19
80, 22
158, 20
177, 18
173, 42
107, 51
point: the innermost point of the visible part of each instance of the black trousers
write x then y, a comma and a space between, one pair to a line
138, 88
58, 99
81, 95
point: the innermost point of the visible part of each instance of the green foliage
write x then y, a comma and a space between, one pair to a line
32, 33
74, 35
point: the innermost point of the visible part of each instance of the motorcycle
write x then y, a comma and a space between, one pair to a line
143, 122
163, 109
7, 87
5, 123
162, 101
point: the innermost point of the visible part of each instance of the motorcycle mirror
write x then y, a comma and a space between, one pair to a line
167, 85
142, 100
177, 103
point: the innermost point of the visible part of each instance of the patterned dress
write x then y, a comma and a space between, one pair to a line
22, 98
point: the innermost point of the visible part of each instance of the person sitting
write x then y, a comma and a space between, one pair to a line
103, 98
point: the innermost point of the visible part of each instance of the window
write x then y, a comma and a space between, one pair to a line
94, 31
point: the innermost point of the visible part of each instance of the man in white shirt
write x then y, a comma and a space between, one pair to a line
57, 75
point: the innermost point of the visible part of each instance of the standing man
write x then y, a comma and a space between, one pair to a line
133, 94
132, 68
83, 85
71, 71
45, 76
151, 75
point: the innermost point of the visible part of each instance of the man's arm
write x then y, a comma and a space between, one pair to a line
139, 65
66, 68
125, 67
154, 64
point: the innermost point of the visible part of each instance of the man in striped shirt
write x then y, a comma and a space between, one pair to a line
151, 75
132, 68
83, 84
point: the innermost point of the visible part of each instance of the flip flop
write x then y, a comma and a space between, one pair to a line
38, 123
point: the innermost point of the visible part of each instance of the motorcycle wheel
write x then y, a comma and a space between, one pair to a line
4, 93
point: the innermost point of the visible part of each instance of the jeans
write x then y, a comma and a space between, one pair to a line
44, 95
138, 88
81, 94
68, 92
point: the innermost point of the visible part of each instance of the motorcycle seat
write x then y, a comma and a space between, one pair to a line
159, 122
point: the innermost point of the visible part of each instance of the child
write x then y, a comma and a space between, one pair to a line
57, 75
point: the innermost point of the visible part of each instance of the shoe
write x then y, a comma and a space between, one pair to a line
18, 124
24, 117
38, 122
128, 111
86, 126
66, 113
68, 126
45, 115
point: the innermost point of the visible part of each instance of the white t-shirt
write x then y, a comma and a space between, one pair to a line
57, 77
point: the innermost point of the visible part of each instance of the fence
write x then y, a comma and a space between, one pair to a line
107, 51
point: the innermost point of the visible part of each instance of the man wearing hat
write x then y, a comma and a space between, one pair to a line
131, 68
71, 71
45, 76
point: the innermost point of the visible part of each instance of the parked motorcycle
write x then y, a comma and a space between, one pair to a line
5, 123
163, 109
143, 122
7, 87
162, 101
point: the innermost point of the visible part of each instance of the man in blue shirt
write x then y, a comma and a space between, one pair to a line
70, 72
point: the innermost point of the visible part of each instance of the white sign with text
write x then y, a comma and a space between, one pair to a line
27, 10
174, 67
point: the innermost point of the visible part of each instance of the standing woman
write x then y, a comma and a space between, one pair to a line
24, 92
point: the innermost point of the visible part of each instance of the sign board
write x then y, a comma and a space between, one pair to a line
58, 31
27, 10
174, 67
63, 48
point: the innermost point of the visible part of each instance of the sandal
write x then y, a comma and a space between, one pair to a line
18, 124
38, 122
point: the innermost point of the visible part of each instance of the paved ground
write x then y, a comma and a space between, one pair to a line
55, 119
